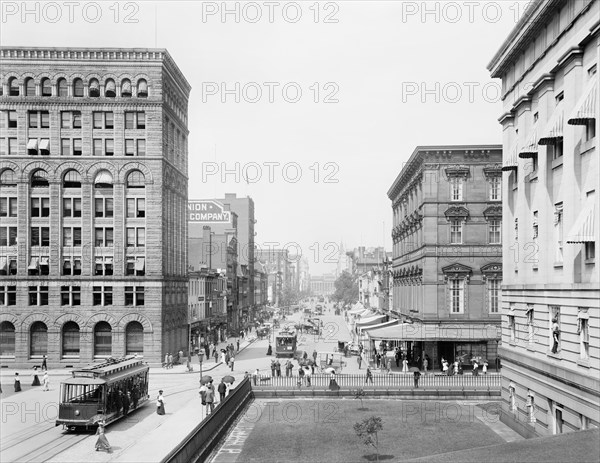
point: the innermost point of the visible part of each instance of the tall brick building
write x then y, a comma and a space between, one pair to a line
93, 197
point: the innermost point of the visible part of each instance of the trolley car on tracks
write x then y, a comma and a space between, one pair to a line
99, 392
285, 343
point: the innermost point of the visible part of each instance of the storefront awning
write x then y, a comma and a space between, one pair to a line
511, 162
554, 128
375, 319
583, 230
429, 332
530, 149
586, 108
366, 329
357, 308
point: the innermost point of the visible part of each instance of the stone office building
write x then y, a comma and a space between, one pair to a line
93, 196
447, 264
550, 294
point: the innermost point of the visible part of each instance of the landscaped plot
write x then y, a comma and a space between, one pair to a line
322, 430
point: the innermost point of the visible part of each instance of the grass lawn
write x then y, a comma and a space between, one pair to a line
322, 431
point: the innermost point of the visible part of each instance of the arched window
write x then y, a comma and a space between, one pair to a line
70, 339
38, 339
72, 179
103, 179
8, 178
94, 88
7, 338
13, 87
126, 88
134, 338
46, 87
102, 339
78, 87
63, 88
136, 179
39, 179
29, 87
110, 89
142, 88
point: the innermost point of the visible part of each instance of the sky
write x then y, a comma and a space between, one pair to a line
311, 108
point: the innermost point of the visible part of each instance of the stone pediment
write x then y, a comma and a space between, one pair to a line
492, 270
458, 270
493, 212
456, 212
457, 171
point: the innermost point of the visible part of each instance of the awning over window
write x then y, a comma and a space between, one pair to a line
142, 88
3, 262
44, 261
554, 128
45, 144
583, 230
366, 329
126, 88
511, 161
140, 263
358, 308
108, 260
431, 332
586, 108
33, 263
94, 86
32, 144
110, 86
530, 149
104, 176
370, 320
99, 260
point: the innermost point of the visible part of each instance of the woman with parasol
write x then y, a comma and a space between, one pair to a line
160, 403
36, 379
102, 442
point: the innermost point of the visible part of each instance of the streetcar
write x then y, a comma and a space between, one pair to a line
97, 392
285, 343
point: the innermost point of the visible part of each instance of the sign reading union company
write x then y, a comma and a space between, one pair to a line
208, 211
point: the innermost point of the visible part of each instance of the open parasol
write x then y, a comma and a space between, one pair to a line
206, 379
413, 369
228, 379
330, 370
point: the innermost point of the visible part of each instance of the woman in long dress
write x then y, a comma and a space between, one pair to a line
404, 365
160, 403
102, 442
17, 383
36, 379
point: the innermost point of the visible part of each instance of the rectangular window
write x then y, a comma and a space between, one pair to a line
71, 236
103, 237
8, 207
70, 119
590, 251
8, 266
103, 266
455, 231
558, 232
129, 147
495, 188
129, 120
136, 207
33, 119
38, 295
102, 295
12, 119
65, 146
134, 295
12, 146
456, 189
109, 147
109, 121
40, 236
554, 332
98, 119
76, 119
8, 295
70, 295
71, 266
584, 333
40, 207
135, 120
457, 295
141, 147
512, 328
97, 143
77, 147
494, 295
8, 236
141, 237
72, 207
104, 207
135, 266
530, 315
495, 231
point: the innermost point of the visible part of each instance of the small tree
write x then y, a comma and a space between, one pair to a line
367, 430
359, 394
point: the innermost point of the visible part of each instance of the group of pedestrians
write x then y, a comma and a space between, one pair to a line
36, 378
170, 361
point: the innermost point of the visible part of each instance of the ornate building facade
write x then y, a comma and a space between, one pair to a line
447, 266
93, 198
551, 289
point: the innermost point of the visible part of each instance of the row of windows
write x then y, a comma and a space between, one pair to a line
71, 295
71, 339
494, 189
553, 328
71, 266
103, 207
74, 147
72, 179
76, 88
71, 236
134, 120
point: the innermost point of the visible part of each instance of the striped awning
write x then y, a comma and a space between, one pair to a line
554, 128
511, 162
587, 106
584, 228
370, 320
393, 322
530, 149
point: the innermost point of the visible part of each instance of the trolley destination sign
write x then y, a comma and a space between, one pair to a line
208, 211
